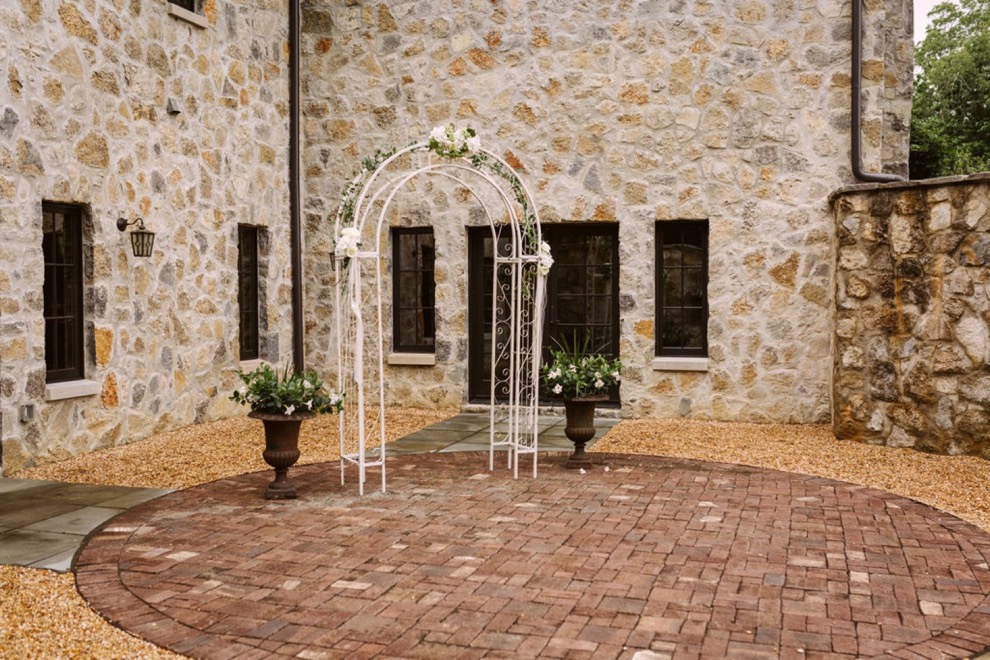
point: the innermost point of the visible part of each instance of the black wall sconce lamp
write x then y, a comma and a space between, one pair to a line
142, 240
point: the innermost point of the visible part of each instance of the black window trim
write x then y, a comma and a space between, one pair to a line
249, 343
76, 370
178, 9
669, 351
397, 345
188, 5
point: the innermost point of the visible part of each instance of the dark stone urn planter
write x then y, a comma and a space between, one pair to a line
580, 427
281, 450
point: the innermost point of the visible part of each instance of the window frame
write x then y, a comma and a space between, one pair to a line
419, 345
668, 227
71, 367
249, 297
178, 9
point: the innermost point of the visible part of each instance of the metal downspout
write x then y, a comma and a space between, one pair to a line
857, 102
295, 191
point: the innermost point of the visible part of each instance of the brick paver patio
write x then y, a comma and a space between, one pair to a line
679, 558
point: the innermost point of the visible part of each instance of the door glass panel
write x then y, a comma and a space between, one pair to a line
582, 295
582, 288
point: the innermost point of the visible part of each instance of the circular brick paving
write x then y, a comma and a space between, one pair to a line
682, 558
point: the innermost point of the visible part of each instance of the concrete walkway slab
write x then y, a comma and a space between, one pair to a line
23, 547
43, 523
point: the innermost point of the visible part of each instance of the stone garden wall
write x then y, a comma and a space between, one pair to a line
84, 119
913, 315
627, 111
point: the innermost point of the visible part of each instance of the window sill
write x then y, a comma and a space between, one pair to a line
248, 366
680, 364
71, 389
413, 359
188, 16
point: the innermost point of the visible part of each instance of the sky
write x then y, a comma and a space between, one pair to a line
921, 9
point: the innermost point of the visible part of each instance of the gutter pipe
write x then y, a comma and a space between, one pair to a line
295, 192
857, 102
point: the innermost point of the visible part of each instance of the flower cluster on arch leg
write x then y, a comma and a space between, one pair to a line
348, 243
451, 142
546, 260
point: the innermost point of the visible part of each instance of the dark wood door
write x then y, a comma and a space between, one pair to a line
582, 296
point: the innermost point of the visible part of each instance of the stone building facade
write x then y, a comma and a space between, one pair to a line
623, 116
131, 109
630, 114
912, 354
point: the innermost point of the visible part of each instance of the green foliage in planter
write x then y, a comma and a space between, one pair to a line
576, 371
267, 391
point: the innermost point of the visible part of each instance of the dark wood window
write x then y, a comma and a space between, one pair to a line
185, 4
413, 290
682, 288
247, 291
582, 295
62, 243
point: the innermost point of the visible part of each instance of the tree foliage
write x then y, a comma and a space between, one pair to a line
950, 119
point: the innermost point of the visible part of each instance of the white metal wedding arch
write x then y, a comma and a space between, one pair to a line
521, 262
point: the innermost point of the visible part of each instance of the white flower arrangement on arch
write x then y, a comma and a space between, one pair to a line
452, 142
447, 141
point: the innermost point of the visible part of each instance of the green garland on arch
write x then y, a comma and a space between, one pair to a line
449, 142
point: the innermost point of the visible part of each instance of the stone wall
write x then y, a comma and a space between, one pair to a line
84, 119
912, 357
628, 111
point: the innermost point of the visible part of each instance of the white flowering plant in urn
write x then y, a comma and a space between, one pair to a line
296, 393
574, 372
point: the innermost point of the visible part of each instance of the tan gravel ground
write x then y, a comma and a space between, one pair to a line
42, 616
207, 452
957, 484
